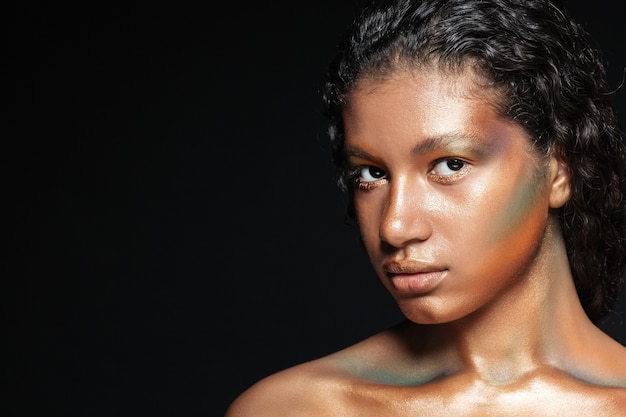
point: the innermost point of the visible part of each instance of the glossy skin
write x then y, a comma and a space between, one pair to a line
455, 220
457, 213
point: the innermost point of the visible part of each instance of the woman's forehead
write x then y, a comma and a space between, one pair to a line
463, 82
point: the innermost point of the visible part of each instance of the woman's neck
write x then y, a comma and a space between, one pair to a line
537, 322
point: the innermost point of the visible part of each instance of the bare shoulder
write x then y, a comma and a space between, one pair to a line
618, 365
321, 387
606, 362
308, 389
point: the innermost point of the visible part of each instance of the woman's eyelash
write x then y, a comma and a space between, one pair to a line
457, 168
372, 171
452, 164
355, 176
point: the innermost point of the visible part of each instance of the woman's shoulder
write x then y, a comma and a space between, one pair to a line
306, 389
318, 387
602, 362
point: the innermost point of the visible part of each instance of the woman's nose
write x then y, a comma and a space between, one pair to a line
405, 216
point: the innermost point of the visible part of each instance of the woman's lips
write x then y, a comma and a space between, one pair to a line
414, 277
419, 282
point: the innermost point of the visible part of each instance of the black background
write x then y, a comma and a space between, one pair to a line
174, 229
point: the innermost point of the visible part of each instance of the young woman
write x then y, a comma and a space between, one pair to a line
486, 172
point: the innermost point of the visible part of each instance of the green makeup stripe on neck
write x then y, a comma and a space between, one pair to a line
385, 376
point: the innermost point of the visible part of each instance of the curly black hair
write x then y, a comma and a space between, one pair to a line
549, 79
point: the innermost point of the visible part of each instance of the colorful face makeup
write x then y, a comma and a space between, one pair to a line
452, 200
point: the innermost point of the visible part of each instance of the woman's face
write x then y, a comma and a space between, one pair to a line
451, 199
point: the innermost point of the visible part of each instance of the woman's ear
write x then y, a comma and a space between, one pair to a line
560, 182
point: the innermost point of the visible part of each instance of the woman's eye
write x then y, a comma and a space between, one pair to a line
450, 166
371, 174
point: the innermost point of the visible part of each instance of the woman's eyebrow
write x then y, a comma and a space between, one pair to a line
358, 152
447, 140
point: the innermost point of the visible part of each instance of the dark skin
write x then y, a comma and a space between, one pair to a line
456, 210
